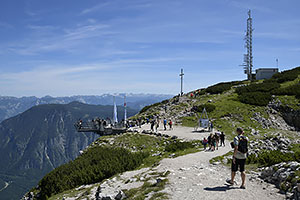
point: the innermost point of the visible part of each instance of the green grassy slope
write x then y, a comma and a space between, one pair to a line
234, 107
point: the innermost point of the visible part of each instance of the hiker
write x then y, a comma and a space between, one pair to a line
204, 142
80, 124
240, 145
152, 124
157, 125
148, 120
213, 142
209, 142
211, 126
139, 121
165, 124
222, 137
217, 139
170, 124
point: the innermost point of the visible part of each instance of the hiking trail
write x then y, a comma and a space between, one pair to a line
193, 177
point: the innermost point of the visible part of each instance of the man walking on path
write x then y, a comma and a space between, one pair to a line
152, 124
240, 145
222, 137
170, 124
165, 124
211, 127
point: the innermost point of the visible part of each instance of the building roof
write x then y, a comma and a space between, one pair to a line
267, 69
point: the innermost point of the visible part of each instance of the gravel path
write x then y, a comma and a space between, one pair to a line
193, 177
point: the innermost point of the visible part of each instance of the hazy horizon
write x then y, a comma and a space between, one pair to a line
112, 94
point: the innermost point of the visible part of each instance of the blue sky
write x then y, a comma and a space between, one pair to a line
68, 47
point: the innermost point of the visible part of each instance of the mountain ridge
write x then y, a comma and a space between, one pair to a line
41, 139
11, 106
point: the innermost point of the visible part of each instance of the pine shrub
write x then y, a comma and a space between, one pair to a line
93, 166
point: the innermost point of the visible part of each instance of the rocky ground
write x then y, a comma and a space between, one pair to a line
185, 177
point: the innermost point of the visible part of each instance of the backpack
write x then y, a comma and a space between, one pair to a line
243, 144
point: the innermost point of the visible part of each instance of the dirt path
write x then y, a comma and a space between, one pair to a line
193, 177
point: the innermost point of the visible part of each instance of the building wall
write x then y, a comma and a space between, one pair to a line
265, 73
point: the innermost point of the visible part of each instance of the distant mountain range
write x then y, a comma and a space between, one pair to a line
42, 138
11, 106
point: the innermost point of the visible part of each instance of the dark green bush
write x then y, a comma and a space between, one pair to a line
268, 158
260, 94
148, 107
178, 146
221, 87
165, 101
267, 86
153, 105
288, 75
255, 98
208, 107
93, 166
291, 90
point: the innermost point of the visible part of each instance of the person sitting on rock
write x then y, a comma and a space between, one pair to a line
240, 145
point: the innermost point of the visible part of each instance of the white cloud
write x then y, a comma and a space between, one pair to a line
51, 38
94, 8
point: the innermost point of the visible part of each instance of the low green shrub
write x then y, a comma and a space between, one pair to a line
178, 146
288, 75
260, 87
153, 105
148, 107
268, 158
290, 90
208, 107
221, 87
260, 93
255, 98
93, 166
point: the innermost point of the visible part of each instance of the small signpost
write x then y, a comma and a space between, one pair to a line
203, 122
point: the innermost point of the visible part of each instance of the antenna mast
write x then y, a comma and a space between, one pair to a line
181, 79
248, 58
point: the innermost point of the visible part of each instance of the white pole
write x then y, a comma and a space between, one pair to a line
115, 117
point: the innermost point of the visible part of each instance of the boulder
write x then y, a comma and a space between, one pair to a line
120, 196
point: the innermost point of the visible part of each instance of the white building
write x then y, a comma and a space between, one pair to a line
265, 73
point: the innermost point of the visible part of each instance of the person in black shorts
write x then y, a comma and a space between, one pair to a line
222, 138
239, 157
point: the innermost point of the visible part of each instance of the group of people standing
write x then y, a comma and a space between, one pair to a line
213, 141
154, 123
